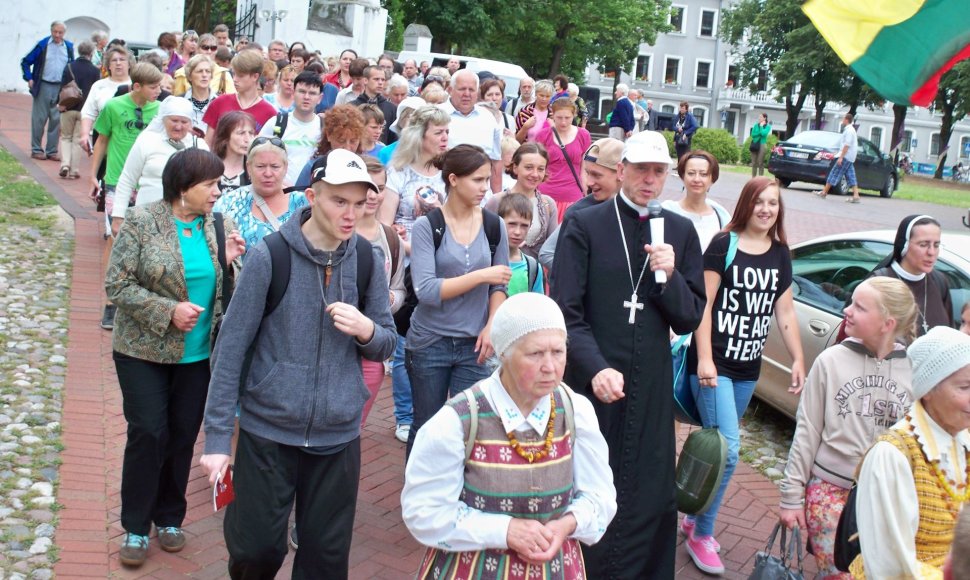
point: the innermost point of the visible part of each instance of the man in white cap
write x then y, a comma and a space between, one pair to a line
619, 319
303, 395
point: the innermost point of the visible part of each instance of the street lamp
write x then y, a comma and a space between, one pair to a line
274, 16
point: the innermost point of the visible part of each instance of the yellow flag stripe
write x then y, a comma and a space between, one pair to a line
850, 27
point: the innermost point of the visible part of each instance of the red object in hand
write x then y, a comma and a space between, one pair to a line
223, 492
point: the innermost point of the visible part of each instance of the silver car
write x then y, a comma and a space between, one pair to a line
824, 273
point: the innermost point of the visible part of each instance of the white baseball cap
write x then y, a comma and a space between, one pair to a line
647, 147
340, 167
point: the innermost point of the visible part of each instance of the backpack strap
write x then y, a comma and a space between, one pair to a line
493, 230
279, 259
282, 118
223, 262
532, 267
472, 422
393, 246
365, 265
732, 250
437, 219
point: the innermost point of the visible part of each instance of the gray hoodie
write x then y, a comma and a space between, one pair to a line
304, 387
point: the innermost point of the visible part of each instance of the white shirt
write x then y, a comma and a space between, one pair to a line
476, 128
706, 225
849, 138
100, 92
887, 508
434, 477
301, 140
143, 169
346, 96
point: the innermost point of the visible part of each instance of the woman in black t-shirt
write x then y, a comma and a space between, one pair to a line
747, 273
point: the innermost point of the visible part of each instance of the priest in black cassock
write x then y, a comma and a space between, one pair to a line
619, 320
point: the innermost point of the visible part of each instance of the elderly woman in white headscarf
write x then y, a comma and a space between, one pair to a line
141, 179
511, 474
914, 480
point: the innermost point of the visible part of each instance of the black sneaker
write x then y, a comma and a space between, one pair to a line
292, 538
108, 317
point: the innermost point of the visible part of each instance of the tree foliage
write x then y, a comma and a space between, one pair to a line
203, 15
953, 101
396, 23
543, 36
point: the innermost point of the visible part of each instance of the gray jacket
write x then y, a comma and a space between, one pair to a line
304, 386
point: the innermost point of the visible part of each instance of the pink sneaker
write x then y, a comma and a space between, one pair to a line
704, 555
687, 530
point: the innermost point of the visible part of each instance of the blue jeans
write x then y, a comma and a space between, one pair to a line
401, 387
723, 406
438, 371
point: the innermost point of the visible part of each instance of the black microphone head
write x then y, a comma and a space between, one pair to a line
654, 208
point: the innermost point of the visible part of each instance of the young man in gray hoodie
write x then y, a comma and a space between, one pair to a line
302, 398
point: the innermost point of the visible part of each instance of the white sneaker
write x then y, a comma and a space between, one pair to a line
402, 432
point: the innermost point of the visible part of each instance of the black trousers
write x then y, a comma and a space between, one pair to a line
267, 477
164, 405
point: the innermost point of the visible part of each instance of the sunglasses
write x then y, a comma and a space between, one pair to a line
139, 119
434, 78
209, 47
190, 33
274, 141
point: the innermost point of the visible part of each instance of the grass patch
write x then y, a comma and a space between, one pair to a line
920, 190
21, 196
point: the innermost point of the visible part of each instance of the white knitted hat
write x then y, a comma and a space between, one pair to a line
522, 314
936, 355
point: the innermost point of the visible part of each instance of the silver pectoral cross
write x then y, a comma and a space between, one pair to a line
633, 304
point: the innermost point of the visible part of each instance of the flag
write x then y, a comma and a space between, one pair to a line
900, 48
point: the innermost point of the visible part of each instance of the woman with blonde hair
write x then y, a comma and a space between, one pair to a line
533, 117
282, 99
854, 392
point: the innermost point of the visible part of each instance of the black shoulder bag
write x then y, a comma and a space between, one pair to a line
569, 161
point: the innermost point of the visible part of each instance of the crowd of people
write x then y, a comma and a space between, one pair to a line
283, 228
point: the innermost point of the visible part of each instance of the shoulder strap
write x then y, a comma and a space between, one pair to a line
365, 265
532, 267
223, 263
472, 422
279, 259
282, 118
567, 405
493, 230
393, 246
569, 161
437, 220
732, 250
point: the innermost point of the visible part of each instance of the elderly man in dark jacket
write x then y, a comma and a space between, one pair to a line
43, 68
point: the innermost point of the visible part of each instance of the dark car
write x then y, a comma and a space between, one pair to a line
809, 155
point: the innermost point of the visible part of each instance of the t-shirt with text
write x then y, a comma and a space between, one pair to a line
741, 315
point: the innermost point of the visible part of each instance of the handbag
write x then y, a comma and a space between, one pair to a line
568, 162
71, 94
846, 547
770, 567
754, 147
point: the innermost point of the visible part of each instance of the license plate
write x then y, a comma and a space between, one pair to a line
797, 155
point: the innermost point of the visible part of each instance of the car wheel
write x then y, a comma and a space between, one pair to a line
890, 186
784, 182
842, 187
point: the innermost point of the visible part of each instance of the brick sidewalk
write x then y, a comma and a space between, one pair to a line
94, 436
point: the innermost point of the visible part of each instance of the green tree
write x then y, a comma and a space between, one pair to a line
396, 23
953, 100
203, 15
455, 23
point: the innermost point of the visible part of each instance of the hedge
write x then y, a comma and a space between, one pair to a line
717, 142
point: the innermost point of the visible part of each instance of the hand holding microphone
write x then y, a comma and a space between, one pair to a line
661, 254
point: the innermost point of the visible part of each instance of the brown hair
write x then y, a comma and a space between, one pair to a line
515, 202
563, 103
527, 148
340, 120
224, 129
745, 208
488, 84
712, 164
372, 112
167, 41
247, 62
460, 161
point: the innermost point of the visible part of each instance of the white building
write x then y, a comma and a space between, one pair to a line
26, 23
693, 64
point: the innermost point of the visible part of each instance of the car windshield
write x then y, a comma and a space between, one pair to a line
825, 139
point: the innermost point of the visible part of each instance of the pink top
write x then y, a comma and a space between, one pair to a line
540, 116
560, 184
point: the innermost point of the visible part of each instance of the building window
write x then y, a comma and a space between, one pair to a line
732, 76
642, 70
668, 108
730, 121
700, 114
762, 80
678, 17
672, 70
906, 146
708, 26
702, 78
964, 147
934, 144
875, 135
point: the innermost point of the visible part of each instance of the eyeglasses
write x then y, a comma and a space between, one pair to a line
209, 47
139, 118
274, 141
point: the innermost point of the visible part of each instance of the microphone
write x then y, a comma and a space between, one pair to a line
656, 234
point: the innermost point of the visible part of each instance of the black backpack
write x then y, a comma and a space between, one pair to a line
493, 233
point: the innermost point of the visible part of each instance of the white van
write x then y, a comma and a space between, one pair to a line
510, 73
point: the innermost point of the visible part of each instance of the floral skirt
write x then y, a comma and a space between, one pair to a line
489, 564
823, 507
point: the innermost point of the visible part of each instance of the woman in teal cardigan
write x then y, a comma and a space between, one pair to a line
759, 138
165, 278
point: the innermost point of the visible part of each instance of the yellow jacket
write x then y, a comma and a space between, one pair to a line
221, 82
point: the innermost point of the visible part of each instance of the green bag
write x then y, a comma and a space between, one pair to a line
700, 469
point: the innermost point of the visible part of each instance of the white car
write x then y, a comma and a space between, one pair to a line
824, 273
